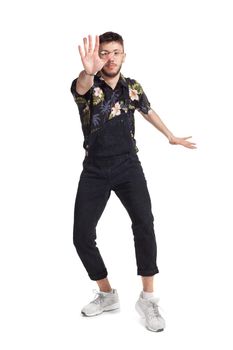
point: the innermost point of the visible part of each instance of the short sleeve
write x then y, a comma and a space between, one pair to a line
75, 94
139, 97
84, 106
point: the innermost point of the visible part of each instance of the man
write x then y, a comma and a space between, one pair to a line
106, 101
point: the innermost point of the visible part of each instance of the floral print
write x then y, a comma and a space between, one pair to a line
86, 115
133, 94
101, 103
116, 110
134, 91
98, 96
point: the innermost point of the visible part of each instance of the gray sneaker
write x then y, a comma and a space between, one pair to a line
148, 309
102, 302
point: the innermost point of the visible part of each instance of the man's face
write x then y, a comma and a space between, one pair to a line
113, 65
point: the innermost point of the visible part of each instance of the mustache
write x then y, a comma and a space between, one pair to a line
110, 74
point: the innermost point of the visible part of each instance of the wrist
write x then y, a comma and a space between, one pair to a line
170, 137
89, 73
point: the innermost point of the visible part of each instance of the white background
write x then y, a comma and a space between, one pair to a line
181, 53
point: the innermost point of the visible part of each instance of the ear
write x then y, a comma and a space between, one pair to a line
124, 57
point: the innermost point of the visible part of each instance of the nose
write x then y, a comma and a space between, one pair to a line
111, 56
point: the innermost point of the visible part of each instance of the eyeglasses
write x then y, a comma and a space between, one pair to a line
105, 53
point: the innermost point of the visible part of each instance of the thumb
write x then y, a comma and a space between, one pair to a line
104, 60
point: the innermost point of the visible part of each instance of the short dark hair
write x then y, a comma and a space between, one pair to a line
111, 36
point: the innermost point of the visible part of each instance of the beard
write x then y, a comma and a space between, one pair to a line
111, 75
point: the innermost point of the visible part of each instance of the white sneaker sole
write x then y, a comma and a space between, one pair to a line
137, 307
106, 308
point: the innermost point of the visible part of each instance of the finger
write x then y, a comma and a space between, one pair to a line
189, 143
90, 43
85, 45
81, 51
191, 146
104, 60
185, 138
96, 48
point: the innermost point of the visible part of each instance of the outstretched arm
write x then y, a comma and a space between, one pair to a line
155, 120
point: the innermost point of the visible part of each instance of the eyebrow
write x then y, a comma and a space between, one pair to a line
109, 51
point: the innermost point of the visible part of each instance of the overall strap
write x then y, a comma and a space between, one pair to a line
126, 94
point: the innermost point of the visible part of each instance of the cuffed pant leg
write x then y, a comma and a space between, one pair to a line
92, 195
134, 195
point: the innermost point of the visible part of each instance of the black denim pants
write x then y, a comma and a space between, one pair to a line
124, 175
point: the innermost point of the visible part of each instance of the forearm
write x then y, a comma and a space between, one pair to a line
155, 120
84, 82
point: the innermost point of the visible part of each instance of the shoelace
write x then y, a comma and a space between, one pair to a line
153, 309
98, 297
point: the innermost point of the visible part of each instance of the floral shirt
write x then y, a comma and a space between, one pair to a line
102, 103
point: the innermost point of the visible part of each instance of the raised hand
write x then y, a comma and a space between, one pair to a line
92, 63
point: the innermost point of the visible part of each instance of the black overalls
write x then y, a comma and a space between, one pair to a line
111, 164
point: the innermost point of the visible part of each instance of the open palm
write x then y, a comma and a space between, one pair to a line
92, 63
